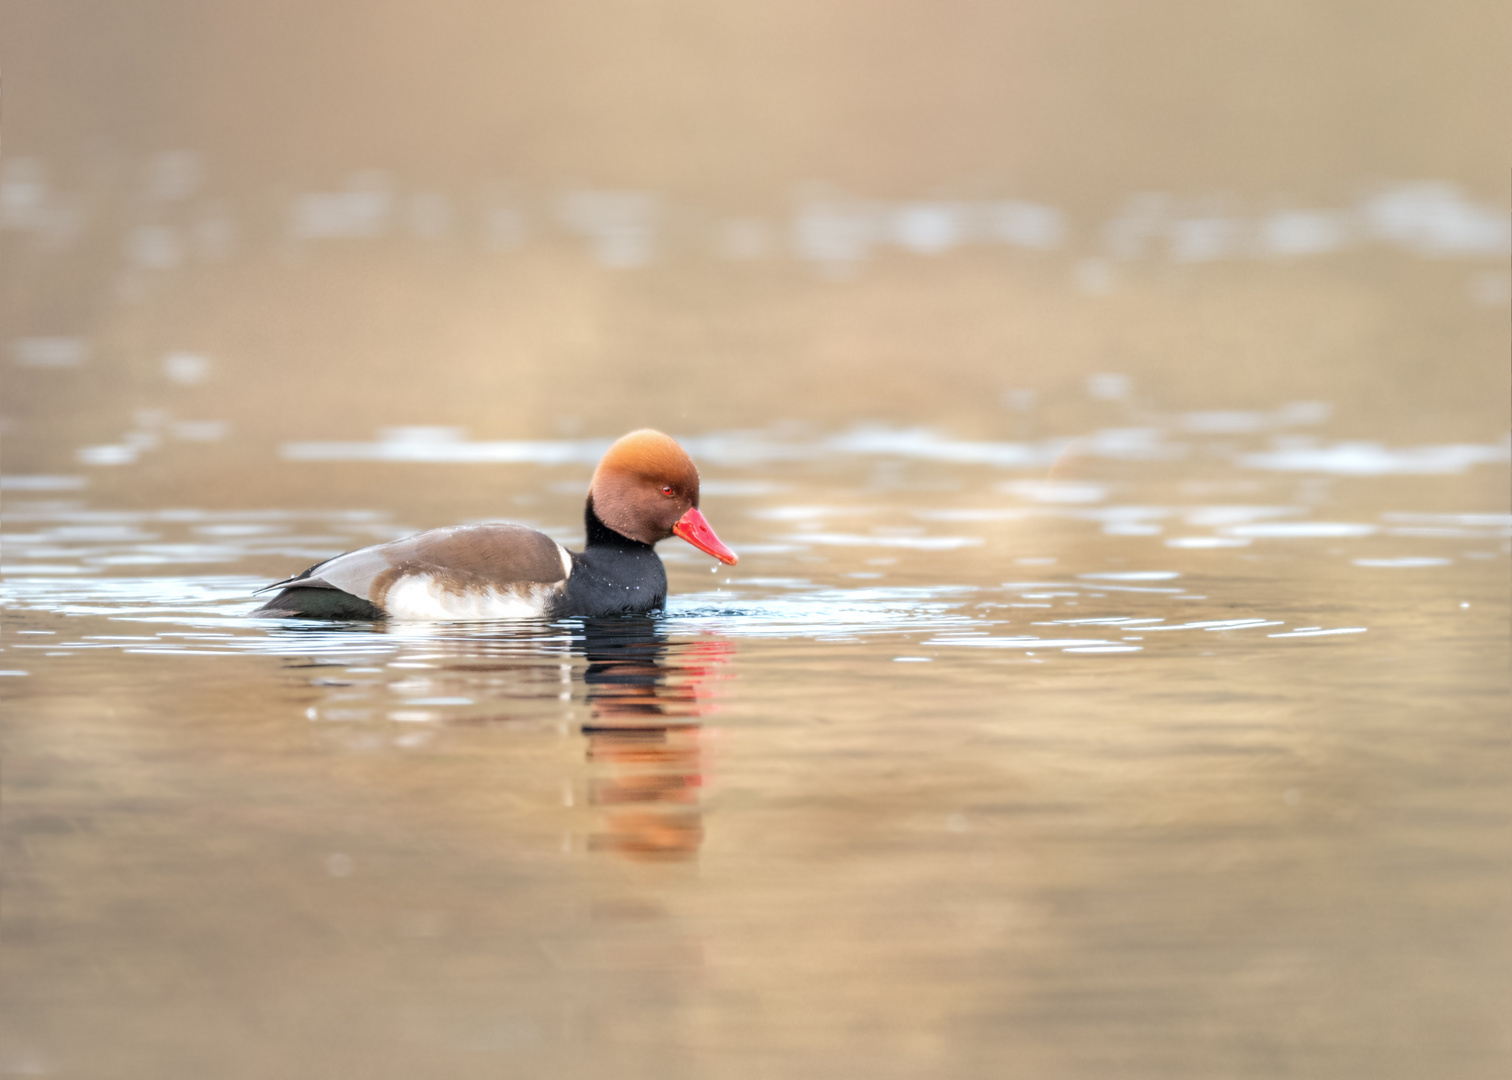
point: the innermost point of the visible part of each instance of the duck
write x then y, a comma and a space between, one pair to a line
644, 490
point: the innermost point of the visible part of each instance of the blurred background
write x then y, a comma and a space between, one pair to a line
273, 221
1007, 336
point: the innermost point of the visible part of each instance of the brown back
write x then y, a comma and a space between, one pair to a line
457, 559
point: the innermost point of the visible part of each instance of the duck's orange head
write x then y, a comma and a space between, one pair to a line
646, 488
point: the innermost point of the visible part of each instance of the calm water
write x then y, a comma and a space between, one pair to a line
1109, 404
973, 755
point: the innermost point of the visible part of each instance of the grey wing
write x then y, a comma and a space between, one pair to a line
351, 567
461, 556
305, 578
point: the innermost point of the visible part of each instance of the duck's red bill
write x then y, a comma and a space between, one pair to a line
695, 530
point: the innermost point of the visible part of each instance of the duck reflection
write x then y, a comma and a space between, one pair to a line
646, 694
645, 742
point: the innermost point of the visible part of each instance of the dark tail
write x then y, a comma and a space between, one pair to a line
307, 603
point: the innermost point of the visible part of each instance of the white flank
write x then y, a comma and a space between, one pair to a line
418, 597
566, 561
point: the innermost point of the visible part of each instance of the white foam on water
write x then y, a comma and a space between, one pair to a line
971, 514
439, 445
1320, 633
1374, 459
43, 483
1302, 529
1215, 516
1212, 624
1021, 642
1206, 542
917, 543
1051, 491
452, 451
1132, 575
23, 570
823, 613
1404, 563
50, 352
1493, 524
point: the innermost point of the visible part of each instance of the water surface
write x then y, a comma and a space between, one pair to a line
983, 745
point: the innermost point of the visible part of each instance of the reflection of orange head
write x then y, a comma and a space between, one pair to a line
649, 835
637, 686
645, 750
669, 751
651, 790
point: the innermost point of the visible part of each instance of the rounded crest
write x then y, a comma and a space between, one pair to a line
643, 484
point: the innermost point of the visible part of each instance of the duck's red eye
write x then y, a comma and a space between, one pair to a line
666, 489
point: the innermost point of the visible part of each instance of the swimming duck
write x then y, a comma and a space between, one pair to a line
645, 489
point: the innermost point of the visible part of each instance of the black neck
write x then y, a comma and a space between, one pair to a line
601, 535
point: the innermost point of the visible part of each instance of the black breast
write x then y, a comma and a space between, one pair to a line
615, 579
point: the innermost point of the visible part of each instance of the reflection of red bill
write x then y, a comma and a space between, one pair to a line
695, 530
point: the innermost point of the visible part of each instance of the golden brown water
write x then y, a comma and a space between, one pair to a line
1115, 679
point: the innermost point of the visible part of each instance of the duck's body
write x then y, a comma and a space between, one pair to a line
502, 571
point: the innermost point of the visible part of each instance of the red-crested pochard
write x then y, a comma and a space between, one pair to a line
645, 489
